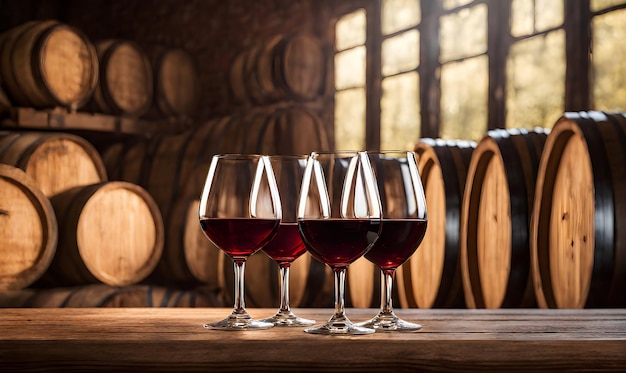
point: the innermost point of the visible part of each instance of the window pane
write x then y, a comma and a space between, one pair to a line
399, 15
522, 17
350, 68
548, 14
401, 53
531, 16
350, 30
536, 81
464, 99
609, 61
602, 4
350, 119
464, 34
449, 4
400, 112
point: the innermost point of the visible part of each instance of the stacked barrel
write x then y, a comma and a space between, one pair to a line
115, 223
539, 220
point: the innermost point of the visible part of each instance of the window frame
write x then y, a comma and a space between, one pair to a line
577, 20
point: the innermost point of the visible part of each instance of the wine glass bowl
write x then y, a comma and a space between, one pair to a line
287, 245
339, 216
240, 218
404, 223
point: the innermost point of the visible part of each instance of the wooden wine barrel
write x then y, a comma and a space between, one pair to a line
495, 218
276, 131
176, 83
109, 232
28, 230
578, 229
55, 161
47, 64
126, 85
203, 144
362, 284
236, 82
432, 276
9, 80
189, 258
284, 67
263, 73
126, 160
100, 295
299, 65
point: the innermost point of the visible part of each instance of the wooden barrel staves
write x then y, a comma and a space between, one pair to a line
176, 84
126, 85
189, 258
109, 232
100, 295
28, 230
55, 161
284, 67
495, 218
579, 222
46, 64
432, 276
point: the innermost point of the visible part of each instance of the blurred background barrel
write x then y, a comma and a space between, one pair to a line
432, 276
362, 284
28, 228
109, 232
100, 295
126, 84
579, 225
175, 81
46, 64
55, 161
290, 66
495, 218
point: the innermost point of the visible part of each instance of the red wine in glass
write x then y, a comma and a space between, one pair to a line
398, 240
287, 245
239, 212
339, 215
339, 242
403, 227
239, 237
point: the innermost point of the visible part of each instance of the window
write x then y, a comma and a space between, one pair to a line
535, 66
457, 68
399, 104
350, 66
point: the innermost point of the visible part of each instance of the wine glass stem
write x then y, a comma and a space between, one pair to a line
284, 287
386, 287
340, 284
239, 266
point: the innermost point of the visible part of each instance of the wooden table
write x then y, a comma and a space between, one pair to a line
173, 339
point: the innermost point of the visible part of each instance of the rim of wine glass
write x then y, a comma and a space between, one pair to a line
288, 156
336, 152
239, 155
391, 151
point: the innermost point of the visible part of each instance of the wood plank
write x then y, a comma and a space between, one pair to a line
173, 339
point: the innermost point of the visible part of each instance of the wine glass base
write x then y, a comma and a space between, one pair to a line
288, 318
339, 328
385, 322
237, 321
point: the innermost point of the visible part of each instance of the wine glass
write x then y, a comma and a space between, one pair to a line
240, 220
287, 245
339, 215
404, 224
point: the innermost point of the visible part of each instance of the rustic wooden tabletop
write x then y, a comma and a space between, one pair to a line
173, 339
